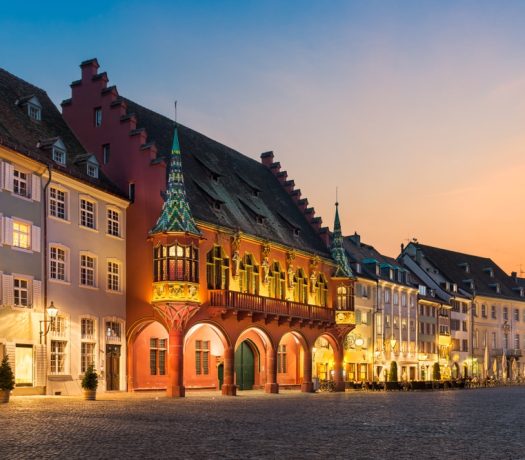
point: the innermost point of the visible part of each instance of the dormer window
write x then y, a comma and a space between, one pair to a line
34, 112
489, 271
465, 266
59, 155
92, 170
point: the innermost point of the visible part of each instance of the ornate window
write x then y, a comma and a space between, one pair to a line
300, 289
249, 275
322, 291
277, 287
344, 298
176, 263
217, 269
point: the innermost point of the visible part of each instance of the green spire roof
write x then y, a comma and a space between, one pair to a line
338, 250
176, 214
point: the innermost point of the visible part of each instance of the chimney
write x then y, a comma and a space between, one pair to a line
267, 158
514, 275
402, 248
89, 69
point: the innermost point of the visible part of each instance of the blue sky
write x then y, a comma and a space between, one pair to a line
414, 109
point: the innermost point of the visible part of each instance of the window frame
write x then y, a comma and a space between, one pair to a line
55, 201
65, 263
84, 213
84, 270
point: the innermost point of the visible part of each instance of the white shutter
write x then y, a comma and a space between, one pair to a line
7, 290
7, 234
35, 187
35, 238
8, 176
37, 294
1, 175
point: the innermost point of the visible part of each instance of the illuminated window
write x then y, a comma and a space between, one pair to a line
21, 292
57, 263
281, 359
202, 355
20, 183
87, 329
87, 213
113, 276
87, 270
113, 330
57, 203
300, 289
157, 356
57, 326
176, 263
344, 298
249, 275
322, 291
113, 222
87, 355
21, 235
58, 356
277, 285
217, 269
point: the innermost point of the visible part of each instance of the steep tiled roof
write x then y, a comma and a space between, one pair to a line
34, 138
483, 271
227, 188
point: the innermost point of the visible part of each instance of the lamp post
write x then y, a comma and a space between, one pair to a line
45, 324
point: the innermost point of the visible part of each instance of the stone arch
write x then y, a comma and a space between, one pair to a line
292, 350
205, 344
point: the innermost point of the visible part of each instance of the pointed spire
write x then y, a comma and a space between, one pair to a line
176, 214
337, 249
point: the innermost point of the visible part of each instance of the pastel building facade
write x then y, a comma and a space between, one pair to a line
63, 249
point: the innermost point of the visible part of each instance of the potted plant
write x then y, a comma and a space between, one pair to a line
7, 380
436, 375
392, 383
90, 384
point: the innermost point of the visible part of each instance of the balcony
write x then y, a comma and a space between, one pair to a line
172, 291
513, 353
269, 307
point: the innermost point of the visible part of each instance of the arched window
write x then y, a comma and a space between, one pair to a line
322, 291
249, 275
217, 269
300, 291
277, 287
176, 263
344, 298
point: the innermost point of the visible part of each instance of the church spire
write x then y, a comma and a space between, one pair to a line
176, 214
337, 249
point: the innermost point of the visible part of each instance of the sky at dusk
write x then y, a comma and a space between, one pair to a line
414, 110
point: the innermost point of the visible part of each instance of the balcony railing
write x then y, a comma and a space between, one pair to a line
269, 306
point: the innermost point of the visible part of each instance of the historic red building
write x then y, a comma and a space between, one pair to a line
232, 283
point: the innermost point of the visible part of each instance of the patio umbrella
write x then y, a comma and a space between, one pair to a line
486, 363
495, 368
504, 366
514, 367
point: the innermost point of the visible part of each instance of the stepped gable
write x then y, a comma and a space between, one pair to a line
452, 265
229, 189
34, 138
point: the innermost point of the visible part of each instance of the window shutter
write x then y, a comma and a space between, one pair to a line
8, 176
7, 234
35, 238
7, 290
1, 231
37, 294
1, 175
35, 187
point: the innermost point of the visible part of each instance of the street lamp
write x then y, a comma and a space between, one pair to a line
51, 313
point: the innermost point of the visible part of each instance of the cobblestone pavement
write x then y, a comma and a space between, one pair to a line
485, 423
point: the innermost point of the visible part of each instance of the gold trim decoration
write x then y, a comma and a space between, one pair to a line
171, 291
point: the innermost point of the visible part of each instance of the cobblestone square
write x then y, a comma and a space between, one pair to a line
486, 423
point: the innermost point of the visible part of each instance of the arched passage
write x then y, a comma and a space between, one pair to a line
205, 345
147, 356
327, 361
254, 350
290, 359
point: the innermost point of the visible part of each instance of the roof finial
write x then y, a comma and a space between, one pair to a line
336, 196
175, 111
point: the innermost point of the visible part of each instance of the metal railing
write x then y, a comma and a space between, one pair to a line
269, 306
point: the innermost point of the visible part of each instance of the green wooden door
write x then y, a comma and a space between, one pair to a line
244, 367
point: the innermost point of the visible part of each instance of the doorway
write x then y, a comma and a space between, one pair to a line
244, 366
112, 367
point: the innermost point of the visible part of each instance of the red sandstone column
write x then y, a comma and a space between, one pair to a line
228, 387
271, 372
175, 364
338, 371
307, 386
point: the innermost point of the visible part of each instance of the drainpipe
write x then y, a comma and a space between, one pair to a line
45, 271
